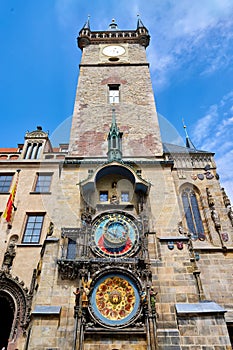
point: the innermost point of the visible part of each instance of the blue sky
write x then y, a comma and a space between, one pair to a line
190, 55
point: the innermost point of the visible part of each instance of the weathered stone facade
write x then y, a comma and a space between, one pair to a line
130, 253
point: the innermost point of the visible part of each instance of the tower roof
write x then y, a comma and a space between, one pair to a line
113, 25
113, 35
139, 23
189, 143
87, 23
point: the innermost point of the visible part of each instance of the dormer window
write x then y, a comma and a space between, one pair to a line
33, 150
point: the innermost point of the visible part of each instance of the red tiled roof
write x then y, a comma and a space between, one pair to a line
8, 150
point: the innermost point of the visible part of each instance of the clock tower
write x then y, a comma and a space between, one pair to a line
114, 127
114, 72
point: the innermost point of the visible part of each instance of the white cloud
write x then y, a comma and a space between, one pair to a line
212, 128
226, 98
191, 33
224, 164
213, 133
203, 129
64, 10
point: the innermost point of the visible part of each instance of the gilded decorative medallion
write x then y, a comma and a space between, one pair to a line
115, 299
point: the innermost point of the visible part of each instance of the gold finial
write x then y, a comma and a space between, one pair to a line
185, 128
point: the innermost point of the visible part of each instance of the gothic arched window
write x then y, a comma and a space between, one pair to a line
192, 213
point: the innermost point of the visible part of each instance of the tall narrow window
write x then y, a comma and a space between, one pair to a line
43, 183
71, 249
5, 182
114, 93
33, 228
192, 213
114, 142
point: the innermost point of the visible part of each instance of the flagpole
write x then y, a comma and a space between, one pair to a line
10, 203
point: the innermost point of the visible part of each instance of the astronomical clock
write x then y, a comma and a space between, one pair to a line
115, 296
111, 264
115, 235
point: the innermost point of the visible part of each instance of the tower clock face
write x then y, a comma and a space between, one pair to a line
113, 50
114, 235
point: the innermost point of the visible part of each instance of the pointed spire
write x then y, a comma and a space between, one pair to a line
114, 140
87, 24
113, 25
189, 143
139, 22
114, 124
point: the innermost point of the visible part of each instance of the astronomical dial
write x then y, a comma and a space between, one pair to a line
116, 232
114, 235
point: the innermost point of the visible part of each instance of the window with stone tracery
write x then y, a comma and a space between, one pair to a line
192, 212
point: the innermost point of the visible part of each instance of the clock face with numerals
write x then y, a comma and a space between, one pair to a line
113, 50
114, 235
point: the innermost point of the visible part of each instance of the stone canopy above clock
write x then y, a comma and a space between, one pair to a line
114, 186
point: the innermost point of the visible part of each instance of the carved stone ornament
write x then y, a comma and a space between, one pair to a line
9, 257
215, 218
86, 217
200, 176
226, 199
50, 229
170, 245
230, 215
181, 229
209, 176
225, 236
39, 133
180, 245
209, 198
152, 298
